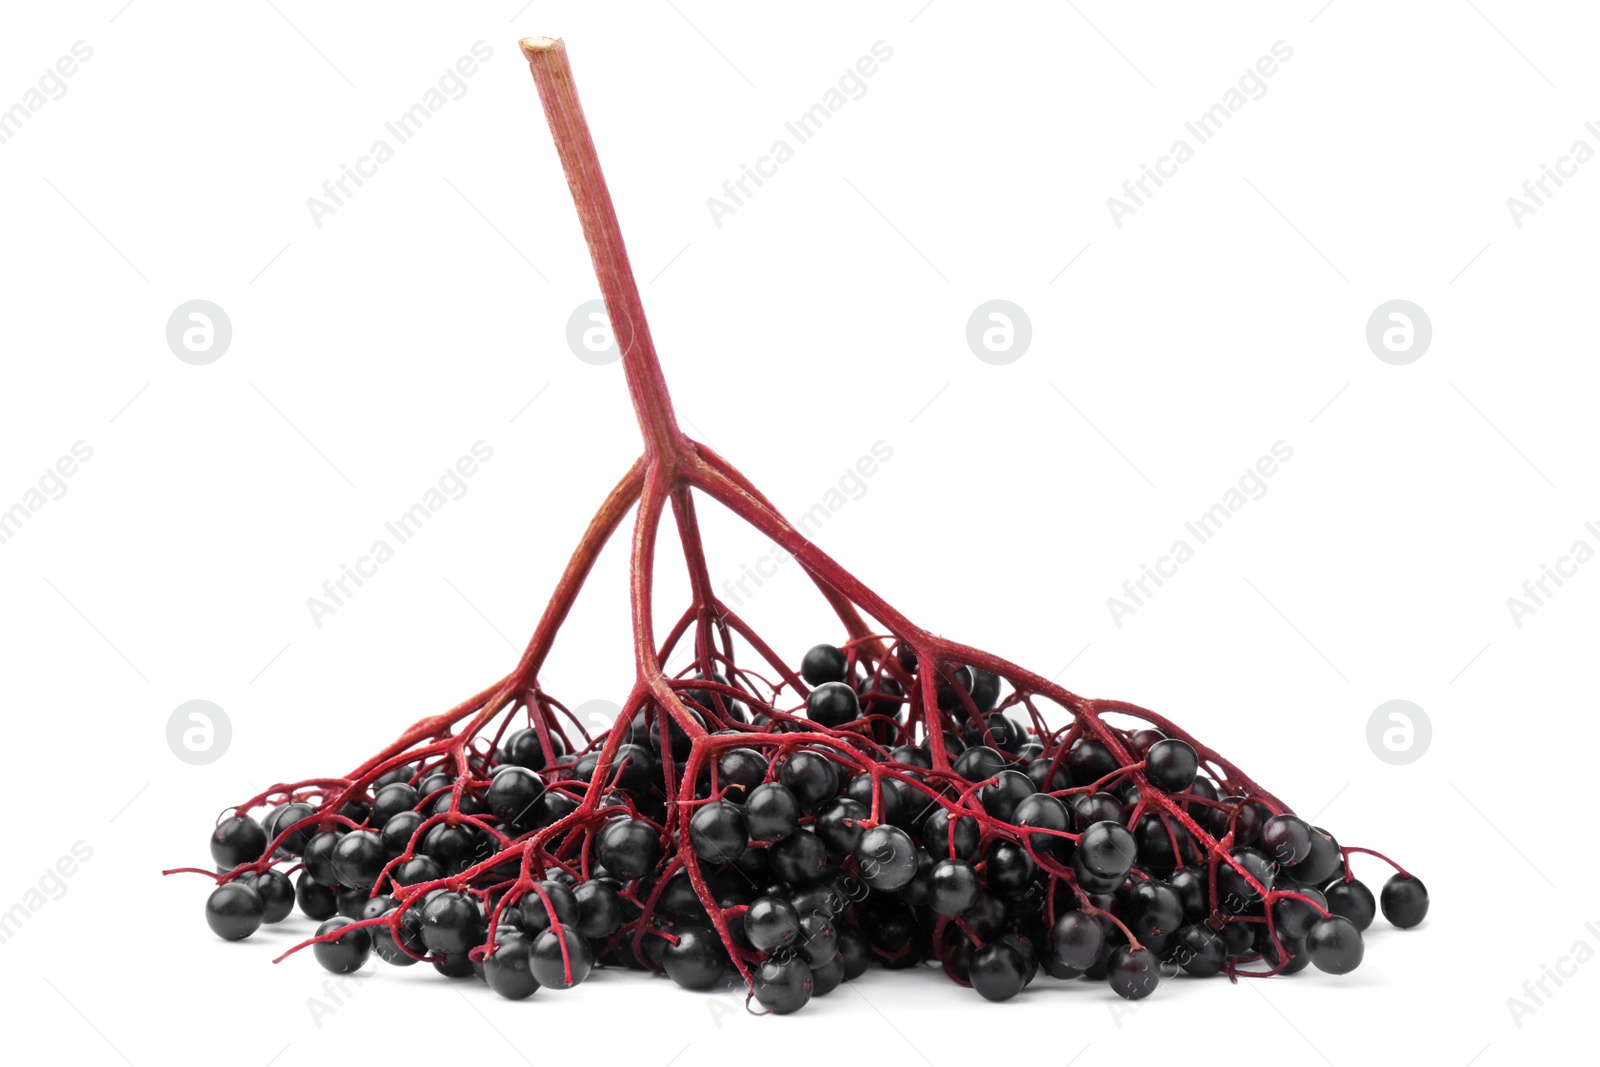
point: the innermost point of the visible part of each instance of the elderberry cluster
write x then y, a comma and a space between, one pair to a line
795, 849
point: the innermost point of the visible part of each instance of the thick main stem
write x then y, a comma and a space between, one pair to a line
547, 58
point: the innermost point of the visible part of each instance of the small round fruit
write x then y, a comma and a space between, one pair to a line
1171, 765
833, 704
346, 952
1353, 900
1133, 973
823, 664
770, 923
1076, 940
783, 986
628, 848
508, 970
997, 972
276, 893
237, 840
696, 960
1404, 900
1334, 945
888, 858
234, 911
560, 962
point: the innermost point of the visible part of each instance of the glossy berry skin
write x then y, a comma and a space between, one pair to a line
534, 913
358, 859
345, 953
1238, 938
1286, 840
740, 770
952, 888
997, 972
833, 704
1323, 862
978, 763
234, 911
1193, 886
316, 900
1293, 917
416, 869
1009, 870
823, 664
1199, 950
451, 924
276, 893
771, 923
772, 812
839, 825
390, 800
513, 795
718, 832
508, 970
783, 986
800, 858
279, 819
819, 939
696, 959
1088, 762
1133, 973
1171, 765
888, 859
555, 968
383, 938
1353, 900
1235, 894
1076, 940
811, 777
1001, 797
236, 840
827, 976
1404, 900
628, 848
938, 839
1334, 945
1106, 850
1047, 813
599, 909
397, 832
319, 856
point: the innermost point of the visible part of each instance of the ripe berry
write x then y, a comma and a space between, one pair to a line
952, 888
1047, 813
236, 840
1404, 900
832, 704
1106, 851
1133, 973
783, 986
717, 832
1200, 951
315, 899
234, 911
1353, 900
823, 664
1171, 765
1286, 839
1076, 940
1334, 945
509, 970
888, 858
696, 959
344, 953
771, 923
358, 859
513, 794
811, 777
560, 962
276, 893
451, 924
772, 812
599, 909
628, 848
998, 972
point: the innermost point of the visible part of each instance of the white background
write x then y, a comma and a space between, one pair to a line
827, 313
